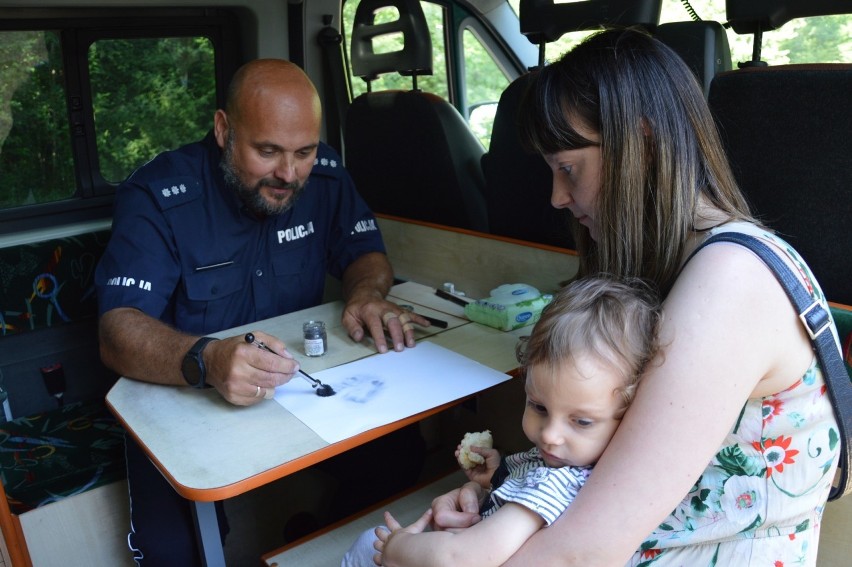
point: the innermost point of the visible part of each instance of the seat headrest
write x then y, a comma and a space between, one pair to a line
546, 21
702, 44
415, 57
750, 16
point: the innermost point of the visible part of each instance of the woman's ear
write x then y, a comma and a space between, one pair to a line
647, 130
648, 138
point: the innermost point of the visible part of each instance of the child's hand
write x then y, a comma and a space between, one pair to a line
384, 536
481, 474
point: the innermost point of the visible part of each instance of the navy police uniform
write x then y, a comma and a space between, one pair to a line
185, 250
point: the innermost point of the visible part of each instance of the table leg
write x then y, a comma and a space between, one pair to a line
207, 533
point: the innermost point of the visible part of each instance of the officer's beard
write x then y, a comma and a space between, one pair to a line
250, 195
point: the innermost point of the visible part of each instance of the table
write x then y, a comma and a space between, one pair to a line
209, 449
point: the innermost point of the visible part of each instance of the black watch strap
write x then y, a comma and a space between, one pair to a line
193, 369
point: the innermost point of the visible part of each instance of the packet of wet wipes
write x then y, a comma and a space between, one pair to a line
510, 306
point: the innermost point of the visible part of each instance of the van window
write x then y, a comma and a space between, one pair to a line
146, 105
85, 100
822, 39
36, 164
484, 82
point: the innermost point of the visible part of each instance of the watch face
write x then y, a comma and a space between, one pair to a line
193, 365
191, 369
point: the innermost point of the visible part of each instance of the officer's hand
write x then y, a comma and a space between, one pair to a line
377, 315
245, 374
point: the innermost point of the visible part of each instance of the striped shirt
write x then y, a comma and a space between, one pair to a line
531, 483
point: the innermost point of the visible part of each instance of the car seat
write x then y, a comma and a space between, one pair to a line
411, 153
787, 133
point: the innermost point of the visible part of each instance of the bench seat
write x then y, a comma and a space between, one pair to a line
325, 548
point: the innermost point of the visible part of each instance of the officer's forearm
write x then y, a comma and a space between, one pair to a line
141, 347
370, 275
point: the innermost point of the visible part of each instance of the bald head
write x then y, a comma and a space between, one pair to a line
264, 82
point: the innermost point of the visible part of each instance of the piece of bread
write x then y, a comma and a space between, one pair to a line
467, 458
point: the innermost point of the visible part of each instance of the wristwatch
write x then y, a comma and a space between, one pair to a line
193, 368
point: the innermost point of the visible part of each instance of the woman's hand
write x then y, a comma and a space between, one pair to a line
459, 508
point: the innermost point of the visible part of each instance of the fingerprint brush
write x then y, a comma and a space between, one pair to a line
323, 390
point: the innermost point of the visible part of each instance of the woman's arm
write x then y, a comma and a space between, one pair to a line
488, 543
728, 333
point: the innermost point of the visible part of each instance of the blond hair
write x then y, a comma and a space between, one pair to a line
614, 320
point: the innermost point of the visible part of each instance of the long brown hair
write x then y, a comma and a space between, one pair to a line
660, 149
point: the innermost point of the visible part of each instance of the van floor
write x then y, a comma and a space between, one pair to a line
257, 518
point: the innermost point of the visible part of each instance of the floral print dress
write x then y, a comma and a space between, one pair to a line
761, 498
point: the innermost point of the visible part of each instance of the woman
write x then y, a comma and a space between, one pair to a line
637, 160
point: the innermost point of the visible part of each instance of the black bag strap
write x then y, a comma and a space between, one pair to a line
817, 323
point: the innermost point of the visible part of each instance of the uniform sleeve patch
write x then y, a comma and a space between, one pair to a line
175, 191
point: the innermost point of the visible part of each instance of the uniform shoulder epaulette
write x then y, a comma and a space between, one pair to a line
173, 191
327, 162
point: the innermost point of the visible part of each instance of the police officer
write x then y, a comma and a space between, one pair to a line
239, 227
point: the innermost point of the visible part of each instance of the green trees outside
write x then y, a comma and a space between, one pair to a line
148, 95
35, 141
811, 40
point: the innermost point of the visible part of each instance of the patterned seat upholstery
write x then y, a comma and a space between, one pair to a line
49, 283
60, 453
48, 316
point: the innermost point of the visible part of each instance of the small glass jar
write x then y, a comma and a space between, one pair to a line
316, 339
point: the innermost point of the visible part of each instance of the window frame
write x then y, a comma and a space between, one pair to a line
78, 28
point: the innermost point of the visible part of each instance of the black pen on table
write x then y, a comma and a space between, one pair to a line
436, 322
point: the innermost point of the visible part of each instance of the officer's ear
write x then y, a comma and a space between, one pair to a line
221, 127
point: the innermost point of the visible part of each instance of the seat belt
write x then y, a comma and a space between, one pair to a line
336, 85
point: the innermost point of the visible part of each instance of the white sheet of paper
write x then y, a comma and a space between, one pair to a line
381, 389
